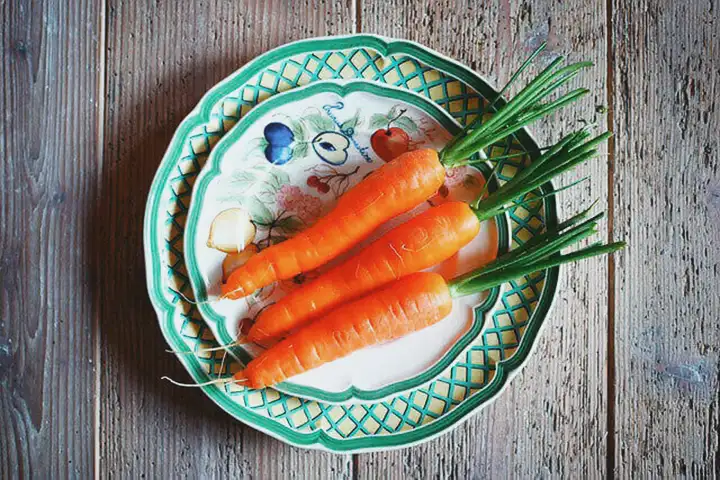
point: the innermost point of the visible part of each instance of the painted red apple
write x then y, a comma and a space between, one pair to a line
388, 143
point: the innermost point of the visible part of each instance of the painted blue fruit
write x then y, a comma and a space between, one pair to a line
278, 155
278, 135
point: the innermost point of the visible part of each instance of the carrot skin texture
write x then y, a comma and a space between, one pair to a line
396, 187
404, 306
423, 241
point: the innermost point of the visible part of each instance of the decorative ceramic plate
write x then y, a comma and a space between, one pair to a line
475, 377
285, 164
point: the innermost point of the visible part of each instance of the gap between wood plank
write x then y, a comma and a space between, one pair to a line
610, 412
358, 15
100, 152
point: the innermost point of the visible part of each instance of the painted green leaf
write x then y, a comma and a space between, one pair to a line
300, 150
378, 120
353, 123
261, 179
319, 123
243, 179
299, 131
257, 145
407, 124
394, 111
257, 210
276, 178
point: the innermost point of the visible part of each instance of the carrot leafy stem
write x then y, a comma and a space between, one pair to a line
523, 109
540, 253
572, 150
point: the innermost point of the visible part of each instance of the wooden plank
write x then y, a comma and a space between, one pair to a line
162, 56
667, 205
551, 420
50, 155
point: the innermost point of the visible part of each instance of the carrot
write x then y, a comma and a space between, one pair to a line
420, 243
418, 301
401, 184
409, 304
425, 240
392, 189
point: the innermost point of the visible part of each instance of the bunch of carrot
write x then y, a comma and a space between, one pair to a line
381, 294
411, 303
425, 240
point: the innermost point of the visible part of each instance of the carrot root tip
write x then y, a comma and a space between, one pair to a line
239, 341
193, 302
218, 381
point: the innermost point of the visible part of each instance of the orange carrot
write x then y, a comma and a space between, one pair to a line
401, 184
394, 188
412, 303
427, 239
420, 243
416, 302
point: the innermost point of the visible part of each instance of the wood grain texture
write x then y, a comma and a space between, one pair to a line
551, 421
49, 153
161, 58
667, 196
91, 94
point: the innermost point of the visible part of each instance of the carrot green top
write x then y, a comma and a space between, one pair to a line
540, 253
572, 150
523, 109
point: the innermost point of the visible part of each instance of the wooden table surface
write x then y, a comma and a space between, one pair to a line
626, 380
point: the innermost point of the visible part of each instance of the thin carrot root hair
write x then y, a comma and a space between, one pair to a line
224, 296
193, 302
222, 364
240, 341
217, 381
209, 349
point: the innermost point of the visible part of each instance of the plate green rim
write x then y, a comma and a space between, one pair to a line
505, 369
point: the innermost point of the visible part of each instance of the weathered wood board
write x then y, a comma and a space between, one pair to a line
625, 379
50, 146
666, 103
